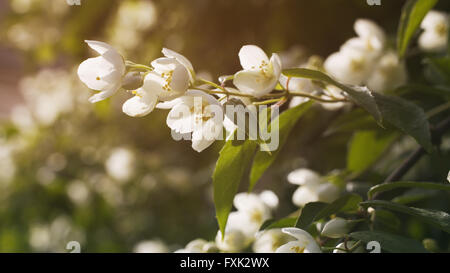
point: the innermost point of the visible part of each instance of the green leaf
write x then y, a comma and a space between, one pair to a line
286, 122
365, 148
413, 13
390, 242
281, 223
396, 185
384, 220
317, 210
439, 219
233, 161
406, 116
438, 70
360, 95
309, 213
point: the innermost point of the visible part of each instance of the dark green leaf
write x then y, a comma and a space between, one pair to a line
404, 115
413, 13
286, 122
233, 161
317, 210
285, 222
365, 148
390, 242
396, 185
439, 219
407, 117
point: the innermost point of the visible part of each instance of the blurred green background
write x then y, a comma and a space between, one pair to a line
70, 170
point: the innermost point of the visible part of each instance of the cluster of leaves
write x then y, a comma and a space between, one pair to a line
394, 113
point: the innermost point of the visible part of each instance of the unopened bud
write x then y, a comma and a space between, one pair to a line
132, 80
336, 228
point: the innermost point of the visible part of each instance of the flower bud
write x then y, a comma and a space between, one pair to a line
132, 80
336, 228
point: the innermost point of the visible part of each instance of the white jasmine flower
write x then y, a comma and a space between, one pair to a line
270, 240
336, 228
197, 113
103, 73
435, 35
303, 177
199, 246
233, 241
312, 188
389, 73
349, 66
141, 104
182, 60
448, 176
371, 38
169, 79
259, 75
356, 58
151, 246
305, 243
350, 244
120, 164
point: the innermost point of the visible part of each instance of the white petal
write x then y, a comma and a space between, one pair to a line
210, 132
99, 74
369, 29
181, 119
328, 192
109, 53
304, 237
304, 177
104, 94
275, 62
141, 104
254, 82
270, 199
183, 60
304, 195
100, 47
251, 57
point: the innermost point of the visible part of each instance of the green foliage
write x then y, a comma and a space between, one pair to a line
439, 219
390, 242
233, 161
404, 115
286, 122
412, 15
396, 185
365, 148
317, 210
281, 223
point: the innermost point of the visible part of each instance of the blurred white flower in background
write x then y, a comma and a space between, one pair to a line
53, 237
7, 164
389, 73
259, 75
151, 246
312, 188
364, 60
103, 73
305, 243
199, 246
47, 95
120, 165
132, 20
435, 27
243, 224
269, 241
